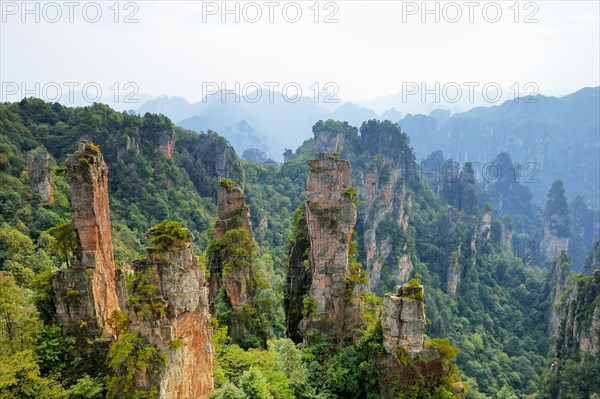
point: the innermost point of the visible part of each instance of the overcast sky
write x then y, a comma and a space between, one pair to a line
368, 49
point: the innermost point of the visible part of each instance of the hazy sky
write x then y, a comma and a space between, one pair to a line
372, 50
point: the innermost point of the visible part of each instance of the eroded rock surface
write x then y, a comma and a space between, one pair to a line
168, 308
331, 215
403, 319
40, 176
86, 290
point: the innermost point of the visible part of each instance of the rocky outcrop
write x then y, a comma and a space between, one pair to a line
40, 176
232, 282
409, 356
331, 215
558, 280
231, 208
507, 240
297, 278
486, 225
578, 315
168, 307
403, 319
386, 207
329, 141
85, 291
212, 158
263, 225
129, 144
166, 143
453, 274
556, 223
551, 244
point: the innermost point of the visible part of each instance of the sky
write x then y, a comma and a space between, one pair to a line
358, 49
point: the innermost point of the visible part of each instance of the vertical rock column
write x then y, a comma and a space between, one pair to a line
168, 308
403, 319
331, 216
39, 174
232, 213
86, 290
232, 275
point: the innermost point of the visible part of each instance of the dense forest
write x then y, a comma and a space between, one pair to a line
510, 291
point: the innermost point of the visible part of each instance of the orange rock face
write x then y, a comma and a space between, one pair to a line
86, 291
331, 216
182, 331
166, 143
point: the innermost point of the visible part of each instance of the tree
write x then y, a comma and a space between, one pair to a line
254, 385
20, 378
65, 240
19, 322
556, 213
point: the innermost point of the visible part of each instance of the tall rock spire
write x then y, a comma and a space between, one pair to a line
331, 215
86, 290
232, 282
168, 307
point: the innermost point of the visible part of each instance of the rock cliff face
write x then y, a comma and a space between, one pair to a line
86, 290
331, 215
558, 280
40, 176
403, 319
231, 203
578, 318
551, 244
166, 143
386, 207
168, 307
409, 357
232, 278
329, 141
507, 239
130, 143
486, 225
297, 278
212, 158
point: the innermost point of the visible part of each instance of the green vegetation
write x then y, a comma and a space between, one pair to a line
129, 357
168, 232
496, 316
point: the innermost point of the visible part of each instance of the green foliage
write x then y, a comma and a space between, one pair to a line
144, 297
118, 322
176, 344
163, 235
20, 378
19, 323
87, 388
227, 183
309, 306
277, 372
130, 359
54, 351
65, 241
556, 212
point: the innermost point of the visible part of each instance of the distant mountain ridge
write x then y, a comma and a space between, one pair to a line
535, 131
549, 137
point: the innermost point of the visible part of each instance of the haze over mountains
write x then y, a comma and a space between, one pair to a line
273, 123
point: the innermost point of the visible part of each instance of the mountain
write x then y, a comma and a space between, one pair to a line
219, 266
548, 138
